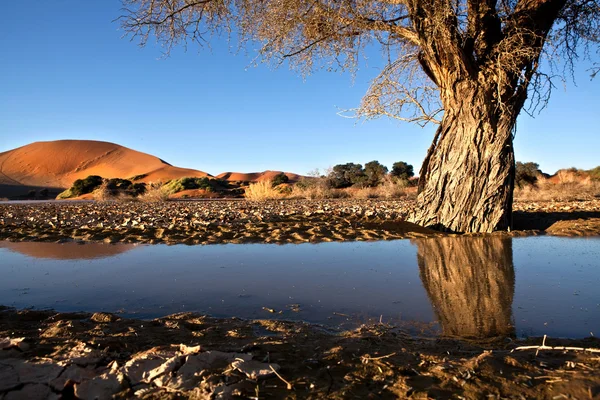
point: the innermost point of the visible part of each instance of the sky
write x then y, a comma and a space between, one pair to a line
66, 72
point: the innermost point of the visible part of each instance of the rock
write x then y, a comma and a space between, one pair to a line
8, 377
101, 387
35, 372
254, 369
82, 354
74, 374
7, 343
190, 374
104, 318
31, 392
151, 364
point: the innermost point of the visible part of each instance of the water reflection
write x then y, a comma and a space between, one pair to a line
470, 283
66, 251
467, 287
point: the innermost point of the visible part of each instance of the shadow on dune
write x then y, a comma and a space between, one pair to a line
67, 251
470, 283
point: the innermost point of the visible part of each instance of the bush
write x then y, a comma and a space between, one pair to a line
279, 179
154, 193
594, 173
187, 183
84, 186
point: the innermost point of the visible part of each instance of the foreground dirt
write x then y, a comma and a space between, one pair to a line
289, 221
44, 354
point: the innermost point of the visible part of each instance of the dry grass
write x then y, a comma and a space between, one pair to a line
391, 188
262, 190
155, 193
102, 193
567, 189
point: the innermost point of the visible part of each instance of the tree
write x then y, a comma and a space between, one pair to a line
375, 172
471, 284
402, 170
346, 175
526, 173
468, 65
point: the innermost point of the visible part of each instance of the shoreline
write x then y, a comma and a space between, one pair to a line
281, 221
44, 353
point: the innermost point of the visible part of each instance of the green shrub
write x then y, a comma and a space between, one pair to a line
87, 185
187, 183
279, 179
139, 189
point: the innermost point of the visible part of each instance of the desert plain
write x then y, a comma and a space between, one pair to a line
48, 354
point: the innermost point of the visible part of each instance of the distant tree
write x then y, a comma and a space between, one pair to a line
470, 66
402, 170
346, 175
375, 172
279, 179
526, 173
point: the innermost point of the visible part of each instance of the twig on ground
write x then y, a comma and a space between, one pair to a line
366, 359
563, 348
289, 385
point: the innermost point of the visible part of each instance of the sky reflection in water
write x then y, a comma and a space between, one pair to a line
458, 286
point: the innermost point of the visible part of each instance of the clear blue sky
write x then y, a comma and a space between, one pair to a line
66, 73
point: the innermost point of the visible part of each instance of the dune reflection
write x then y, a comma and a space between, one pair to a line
67, 251
470, 282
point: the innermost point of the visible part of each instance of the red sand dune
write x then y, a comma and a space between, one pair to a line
256, 176
66, 251
59, 163
570, 176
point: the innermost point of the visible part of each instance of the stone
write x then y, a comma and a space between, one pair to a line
104, 318
35, 372
8, 377
74, 374
190, 374
101, 387
32, 392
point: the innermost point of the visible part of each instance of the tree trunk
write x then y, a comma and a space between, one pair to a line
468, 174
470, 282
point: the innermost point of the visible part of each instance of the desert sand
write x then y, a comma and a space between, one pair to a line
281, 221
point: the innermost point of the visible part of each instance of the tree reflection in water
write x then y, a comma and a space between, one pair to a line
470, 282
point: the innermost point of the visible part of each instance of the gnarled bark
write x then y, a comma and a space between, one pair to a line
470, 282
467, 178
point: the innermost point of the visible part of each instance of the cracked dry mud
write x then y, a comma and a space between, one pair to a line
287, 221
48, 355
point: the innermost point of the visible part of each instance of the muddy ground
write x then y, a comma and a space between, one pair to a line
287, 221
44, 354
